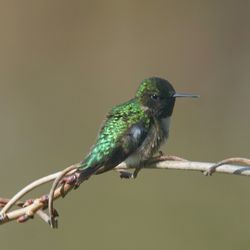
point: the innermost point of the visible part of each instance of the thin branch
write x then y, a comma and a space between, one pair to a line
40, 213
52, 220
27, 189
231, 160
182, 164
36, 206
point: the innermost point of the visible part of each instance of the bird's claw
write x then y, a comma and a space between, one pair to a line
210, 171
126, 175
207, 172
160, 153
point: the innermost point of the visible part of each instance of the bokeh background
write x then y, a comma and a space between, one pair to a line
64, 64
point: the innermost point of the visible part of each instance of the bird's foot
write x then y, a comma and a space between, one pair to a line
126, 175
211, 170
160, 153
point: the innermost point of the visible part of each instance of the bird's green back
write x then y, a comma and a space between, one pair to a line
118, 122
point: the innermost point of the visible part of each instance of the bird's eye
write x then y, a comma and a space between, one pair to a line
155, 97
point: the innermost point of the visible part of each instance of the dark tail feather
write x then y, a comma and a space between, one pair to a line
85, 173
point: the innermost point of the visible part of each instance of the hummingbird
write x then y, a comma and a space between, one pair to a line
132, 132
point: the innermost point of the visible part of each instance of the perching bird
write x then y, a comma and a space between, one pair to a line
133, 131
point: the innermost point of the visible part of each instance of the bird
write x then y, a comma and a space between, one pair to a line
132, 132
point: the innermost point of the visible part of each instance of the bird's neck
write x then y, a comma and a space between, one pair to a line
165, 125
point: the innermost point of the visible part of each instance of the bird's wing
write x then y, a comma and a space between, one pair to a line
122, 133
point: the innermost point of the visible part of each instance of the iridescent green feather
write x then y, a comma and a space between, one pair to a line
119, 120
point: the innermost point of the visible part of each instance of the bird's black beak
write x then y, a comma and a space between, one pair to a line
185, 95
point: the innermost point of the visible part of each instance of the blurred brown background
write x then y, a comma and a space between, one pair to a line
64, 64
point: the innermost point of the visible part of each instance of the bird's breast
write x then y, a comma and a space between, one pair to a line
157, 134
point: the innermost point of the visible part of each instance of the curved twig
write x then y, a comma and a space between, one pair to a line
62, 174
27, 189
162, 162
232, 160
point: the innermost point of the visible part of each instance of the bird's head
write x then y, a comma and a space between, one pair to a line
157, 96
